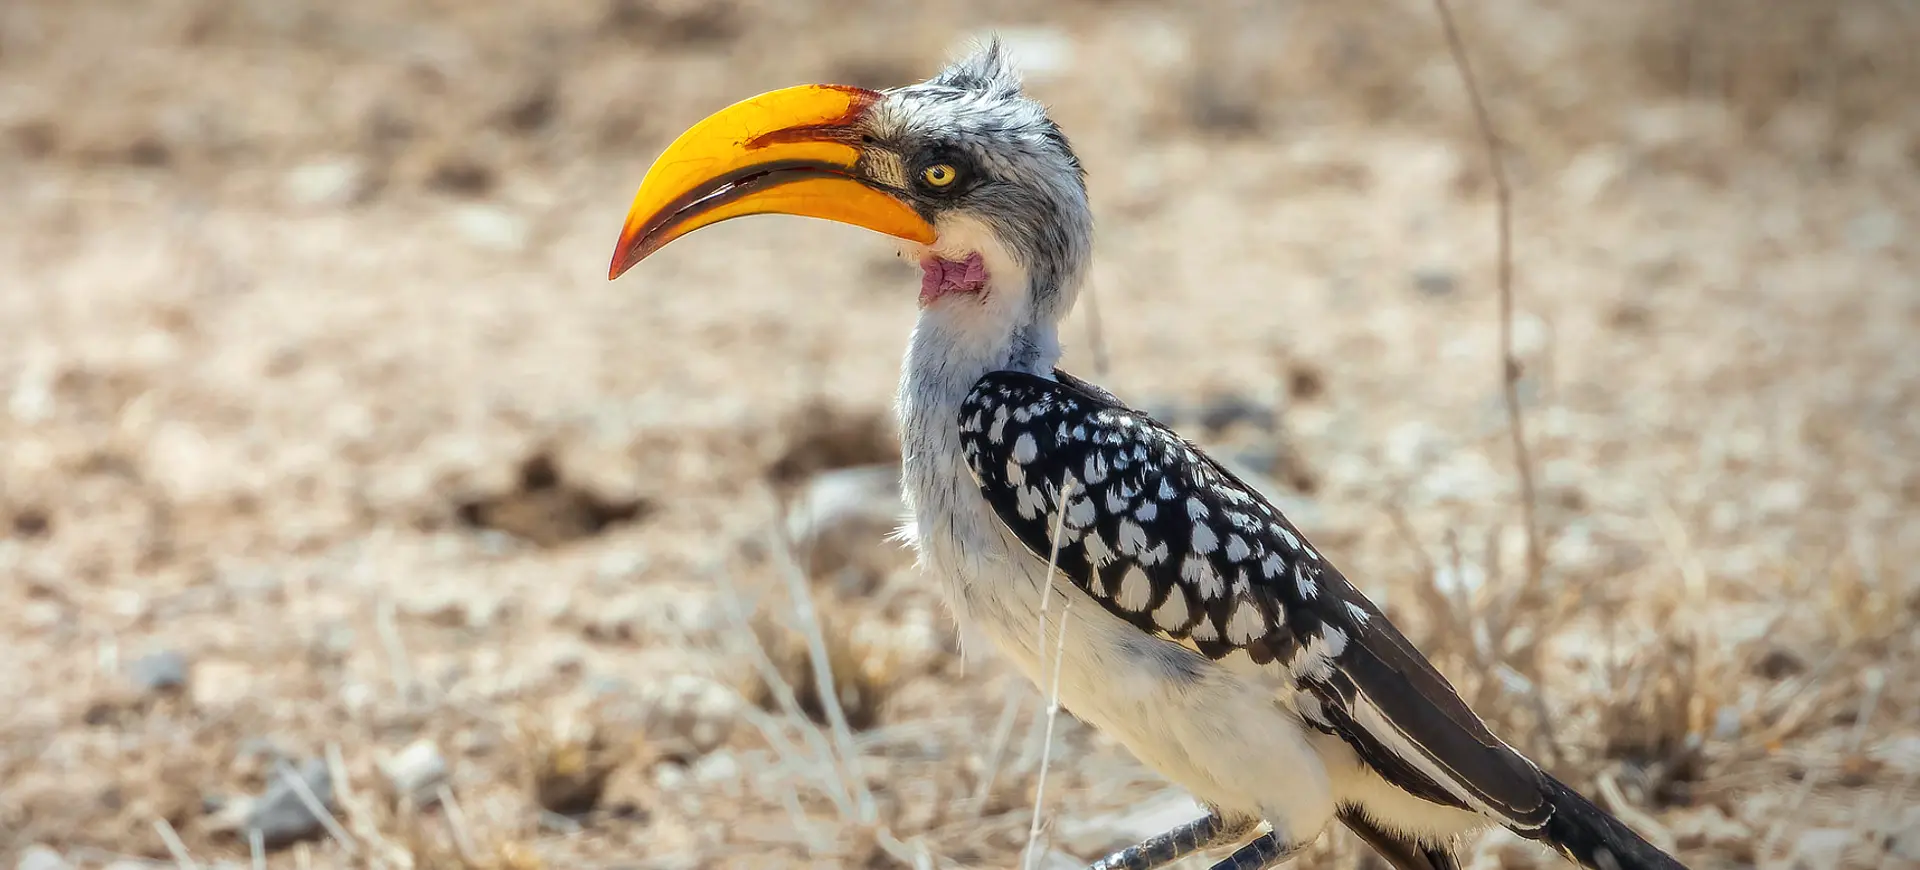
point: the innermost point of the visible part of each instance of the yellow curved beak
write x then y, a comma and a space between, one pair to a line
790, 151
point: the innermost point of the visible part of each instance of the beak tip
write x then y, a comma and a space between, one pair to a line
626, 254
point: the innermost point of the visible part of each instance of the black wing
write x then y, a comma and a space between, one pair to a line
1171, 541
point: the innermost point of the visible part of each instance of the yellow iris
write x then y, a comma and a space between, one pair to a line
939, 174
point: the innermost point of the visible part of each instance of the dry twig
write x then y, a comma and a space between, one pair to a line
317, 807
829, 692
1509, 363
1040, 651
175, 847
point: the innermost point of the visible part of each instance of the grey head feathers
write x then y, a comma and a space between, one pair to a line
1018, 174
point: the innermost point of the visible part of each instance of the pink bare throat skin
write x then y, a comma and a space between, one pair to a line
939, 277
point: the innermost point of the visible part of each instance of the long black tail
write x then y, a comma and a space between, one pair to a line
1588, 834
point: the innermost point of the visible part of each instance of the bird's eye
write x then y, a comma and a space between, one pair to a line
939, 174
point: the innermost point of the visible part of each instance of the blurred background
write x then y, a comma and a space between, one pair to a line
343, 501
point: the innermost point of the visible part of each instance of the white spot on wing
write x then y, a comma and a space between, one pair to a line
1080, 512
1136, 591
1146, 511
998, 432
1308, 588
1246, 623
1016, 475
1133, 538
1312, 662
1293, 543
1203, 630
1336, 639
1237, 550
1204, 540
1154, 556
1025, 449
1358, 614
1172, 613
1098, 553
1166, 488
1196, 509
1273, 566
1096, 468
1031, 503
1200, 572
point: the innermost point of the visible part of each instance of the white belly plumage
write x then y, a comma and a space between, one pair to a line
1226, 733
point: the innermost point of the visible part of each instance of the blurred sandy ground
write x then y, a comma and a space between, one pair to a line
323, 437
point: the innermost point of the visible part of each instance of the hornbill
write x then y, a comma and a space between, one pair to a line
1203, 631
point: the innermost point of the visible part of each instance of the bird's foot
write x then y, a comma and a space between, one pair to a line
1210, 831
1266, 851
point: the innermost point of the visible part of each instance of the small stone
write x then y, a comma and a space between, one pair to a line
491, 228
534, 109
1707, 827
281, 814
1530, 334
662, 613
719, 771
1822, 847
1434, 281
690, 715
1781, 498
1593, 174
840, 521
329, 181
1415, 444
1778, 663
1227, 410
670, 777
463, 176
1726, 723
221, 685
42, 615
160, 672
38, 857
719, 768
417, 772
1875, 230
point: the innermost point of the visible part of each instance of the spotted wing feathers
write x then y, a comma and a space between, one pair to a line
1164, 537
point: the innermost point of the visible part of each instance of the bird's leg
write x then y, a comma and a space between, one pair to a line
1263, 853
1207, 832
